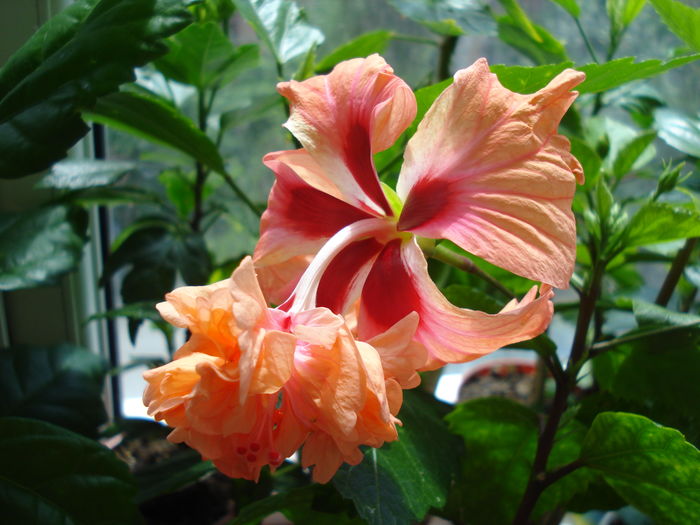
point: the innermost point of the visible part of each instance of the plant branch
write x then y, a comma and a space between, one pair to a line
444, 254
240, 193
675, 272
201, 171
604, 346
538, 477
591, 51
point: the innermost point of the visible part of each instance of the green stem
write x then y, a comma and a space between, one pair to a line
675, 272
447, 48
201, 171
583, 34
604, 346
240, 193
444, 254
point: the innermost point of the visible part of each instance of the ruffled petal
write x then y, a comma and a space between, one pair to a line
399, 284
487, 170
299, 218
343, 118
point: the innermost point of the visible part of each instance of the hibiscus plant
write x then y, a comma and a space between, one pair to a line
396, 234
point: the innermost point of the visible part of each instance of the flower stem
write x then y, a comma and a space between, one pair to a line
447, 48
586, 40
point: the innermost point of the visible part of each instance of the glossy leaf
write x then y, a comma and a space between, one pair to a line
452, 18
81, 174
524, 79
385, 485
682, 19
245, 115
39, 246
362, 46
201, 55
650, 466
148, 116
282, 25
156, 255
52, 476
658, 222
168, 475
678, 130
500, 438
520, 18
66, 65
59, 384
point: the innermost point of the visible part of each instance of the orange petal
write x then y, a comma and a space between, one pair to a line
487, 170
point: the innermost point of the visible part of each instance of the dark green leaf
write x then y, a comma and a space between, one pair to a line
59, 384
500, 438
202, 55
109, 195
400, 482
648, 314
281, 25
544, 50
51, 476
66, 65
165, 476
362, 46
650, 466
38, 246
678, 130
466, 296
630, 153
657, 222
589, 159
452, 18
609, 75
180, 191
682, 19
156, 255
143, 310
571, 7
317, 504
81, 174
148, 116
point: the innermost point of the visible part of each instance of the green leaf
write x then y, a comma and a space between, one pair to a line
682, 19
180, 191
317, 504
500, 438
622, 13
400, 482
362, 46
466, 296
110, 195
609, 75
657, 222
165, 476
545, 49
37, 247
155, 255
452, 18
519, 17
52, 476
599, 77
148, 116
81, 174
201, 55
69, 62
571, 7
678, 130
647, 313
523, 79
631, 152
589, 159
282, 25
650, 466
59, 384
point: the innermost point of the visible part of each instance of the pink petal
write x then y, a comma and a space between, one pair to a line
487, 170
298, 220
344, 117
399, 284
